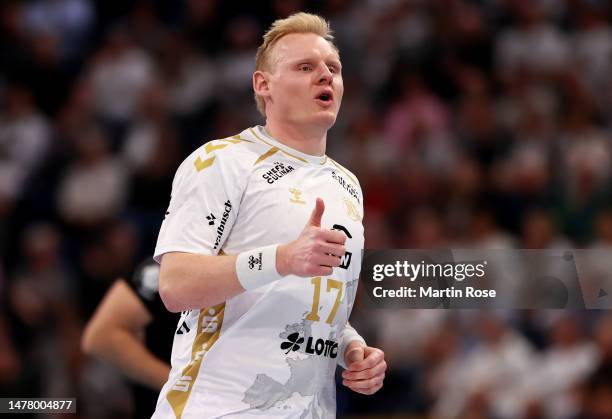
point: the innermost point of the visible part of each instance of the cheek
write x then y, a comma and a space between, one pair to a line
289, 90
340, 91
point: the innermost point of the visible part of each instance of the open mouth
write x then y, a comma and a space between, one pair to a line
325, 98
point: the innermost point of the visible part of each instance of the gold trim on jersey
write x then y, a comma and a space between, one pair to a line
354, 179
235, 139
267, 154
203, 164
209, 329
210, 147
281, 150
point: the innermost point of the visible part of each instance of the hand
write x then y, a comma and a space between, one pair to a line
366, 368
315, 252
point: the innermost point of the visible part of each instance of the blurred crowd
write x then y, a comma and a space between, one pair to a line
481, 123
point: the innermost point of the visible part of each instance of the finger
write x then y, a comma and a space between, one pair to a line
364, 384
365, 374
369, 391
332, 236
326, 260
354, 354
366, 391
333, 249
373, 357
317, 214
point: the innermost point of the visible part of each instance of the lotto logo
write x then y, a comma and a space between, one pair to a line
293, 343
321, 347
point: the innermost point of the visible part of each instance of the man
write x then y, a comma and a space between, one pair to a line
130, 330
264, 231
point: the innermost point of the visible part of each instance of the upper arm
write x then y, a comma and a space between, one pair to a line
120, 309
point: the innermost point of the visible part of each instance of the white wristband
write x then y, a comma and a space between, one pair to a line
257, 267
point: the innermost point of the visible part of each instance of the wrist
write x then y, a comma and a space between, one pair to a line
282, 267
257, 267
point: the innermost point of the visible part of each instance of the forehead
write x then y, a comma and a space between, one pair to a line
297, 46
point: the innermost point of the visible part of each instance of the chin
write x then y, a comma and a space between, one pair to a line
325, 119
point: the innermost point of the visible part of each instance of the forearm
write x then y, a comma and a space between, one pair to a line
192, 281
133, 359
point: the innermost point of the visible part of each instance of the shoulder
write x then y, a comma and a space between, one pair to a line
346, 179
343, 171
236, 154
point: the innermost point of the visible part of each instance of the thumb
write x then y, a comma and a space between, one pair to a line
317, 213
354, 354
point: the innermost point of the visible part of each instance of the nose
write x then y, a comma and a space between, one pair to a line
325, 76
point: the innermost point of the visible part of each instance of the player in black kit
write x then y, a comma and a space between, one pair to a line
132, 330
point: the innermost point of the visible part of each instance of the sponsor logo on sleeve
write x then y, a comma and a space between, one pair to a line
221, 228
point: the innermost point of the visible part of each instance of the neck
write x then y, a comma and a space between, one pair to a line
311, 140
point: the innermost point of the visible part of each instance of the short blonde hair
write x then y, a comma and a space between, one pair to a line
297, 23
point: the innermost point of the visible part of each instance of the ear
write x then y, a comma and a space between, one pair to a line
260, 84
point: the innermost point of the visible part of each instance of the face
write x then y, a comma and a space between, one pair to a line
304, 85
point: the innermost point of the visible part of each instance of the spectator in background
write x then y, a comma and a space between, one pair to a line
42, 296
93, 188
539, 231
490, 377
562, 369
235, 64
44, 73
533, 42
24, 141
417, 122
70, 20
188, 76
118, 75
596, 395
592, 46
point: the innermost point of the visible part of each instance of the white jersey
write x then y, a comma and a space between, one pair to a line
272, 351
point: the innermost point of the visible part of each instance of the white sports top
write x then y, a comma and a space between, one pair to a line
272, 351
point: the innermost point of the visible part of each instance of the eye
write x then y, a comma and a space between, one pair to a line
332, 69
305, 67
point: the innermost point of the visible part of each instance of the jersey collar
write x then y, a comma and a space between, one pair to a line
260, 133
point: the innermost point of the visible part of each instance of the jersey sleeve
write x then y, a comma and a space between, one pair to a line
206, 193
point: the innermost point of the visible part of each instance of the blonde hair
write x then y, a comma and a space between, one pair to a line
297, 23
